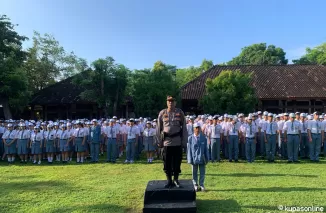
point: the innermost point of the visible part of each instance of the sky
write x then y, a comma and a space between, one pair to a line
137, 33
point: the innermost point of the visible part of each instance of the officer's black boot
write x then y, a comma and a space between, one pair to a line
176, 180
169, 181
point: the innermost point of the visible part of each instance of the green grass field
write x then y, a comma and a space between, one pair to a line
231, 187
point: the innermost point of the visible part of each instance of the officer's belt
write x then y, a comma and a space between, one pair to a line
171, 135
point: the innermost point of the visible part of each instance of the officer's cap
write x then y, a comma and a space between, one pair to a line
36, 127
266, 113
111, 120
297, 113
9, 125
270, 114
302, 115
50, 126
292, 115
215, 117
316, 113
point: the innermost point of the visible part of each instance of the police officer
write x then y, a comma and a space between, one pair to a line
171, 133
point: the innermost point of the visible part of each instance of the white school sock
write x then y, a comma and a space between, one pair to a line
9, 159
78, 159
82, 160
48, 159
34, 161
51, 159
12, 159
59, 157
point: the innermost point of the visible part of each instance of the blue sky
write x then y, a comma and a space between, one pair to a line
137, 33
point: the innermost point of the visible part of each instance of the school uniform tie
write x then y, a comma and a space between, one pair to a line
78, 133
111, 132
271, 128
21, 136
292, 126
62, 134
250, 130
234, 128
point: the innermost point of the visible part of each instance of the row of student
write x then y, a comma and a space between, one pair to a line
62, 140
290, 133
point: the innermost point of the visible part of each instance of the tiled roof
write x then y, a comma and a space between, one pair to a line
269, 81
63, 92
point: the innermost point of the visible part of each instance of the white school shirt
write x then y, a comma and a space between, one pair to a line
215, 131
270, 127
2, 130
79, 133
149, 132
63, 134
324, 124
190, 128
224, 125
141, 128
86, 131
123, 129
37, 136
50, 135
115, 131
23, 134
288, 127
261, 124
245, 129
255, 123
315, 126
233, 129
70, 132
9, 134
304, 126
132, 132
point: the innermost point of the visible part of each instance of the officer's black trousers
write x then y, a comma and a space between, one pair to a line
172, 157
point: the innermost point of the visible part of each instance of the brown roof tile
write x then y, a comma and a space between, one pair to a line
269, 81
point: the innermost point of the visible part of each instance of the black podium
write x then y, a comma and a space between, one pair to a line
157, 199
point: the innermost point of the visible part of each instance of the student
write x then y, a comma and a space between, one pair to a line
214, 137
49, 142
148, 134
36, 144
79, 142
23, 137
95, 139
9, 141
132, 137
111, 133
197, 156
249, 132
63, 136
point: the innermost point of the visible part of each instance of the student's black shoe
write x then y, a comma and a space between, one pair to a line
317, 161
297, 161
230, 160
290, 161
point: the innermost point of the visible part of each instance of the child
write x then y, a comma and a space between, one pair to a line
36, 144
149, 133
197, 156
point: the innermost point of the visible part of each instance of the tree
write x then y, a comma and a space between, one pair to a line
48, 62
185, 75
149, 88
13, 82
105, 84
229, 92
316, 55
260, 54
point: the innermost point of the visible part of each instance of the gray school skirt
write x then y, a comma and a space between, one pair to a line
22, 146
63, 147
9, 150
49, 146
36, 148
148, 144
78, 145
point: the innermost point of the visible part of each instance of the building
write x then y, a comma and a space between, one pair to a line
62, 100
279, 88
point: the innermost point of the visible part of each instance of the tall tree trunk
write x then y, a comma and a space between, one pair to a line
115, 104
4, 101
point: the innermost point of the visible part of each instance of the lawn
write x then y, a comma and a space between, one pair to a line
231, 187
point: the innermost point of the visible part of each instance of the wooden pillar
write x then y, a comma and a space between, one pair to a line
127, 110
32, 116
45, 112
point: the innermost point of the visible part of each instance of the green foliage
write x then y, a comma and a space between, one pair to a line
316, 55
48, 62
229, 92
149, 88
13, 82
185, 75
105, 84
260, 54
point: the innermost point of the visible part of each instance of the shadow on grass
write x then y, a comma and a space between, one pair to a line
95, 208
256, 175
272, 189
7, 187
218, 206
